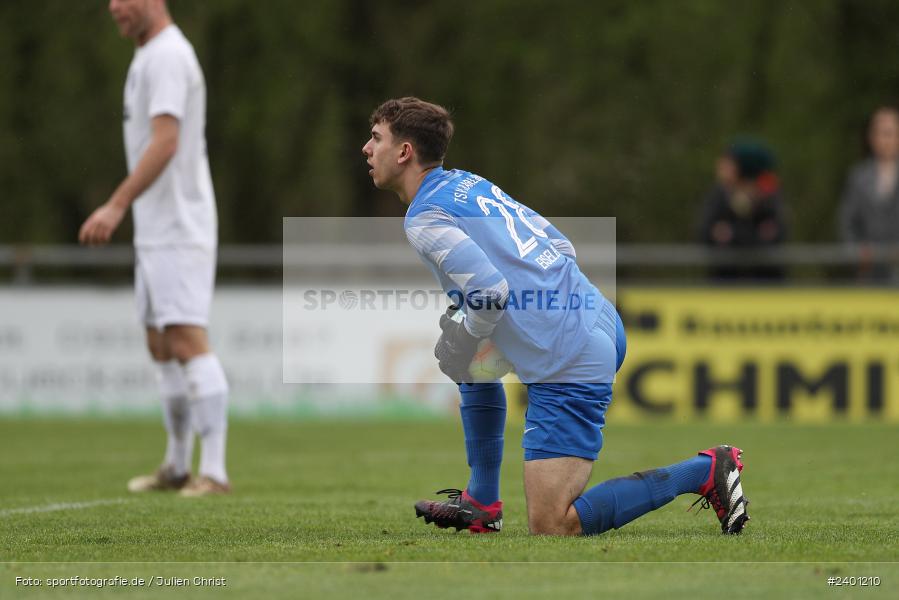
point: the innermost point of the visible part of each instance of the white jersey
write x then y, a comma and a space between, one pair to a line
165, 78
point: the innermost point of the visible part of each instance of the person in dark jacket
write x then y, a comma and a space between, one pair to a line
869, 213
744, 209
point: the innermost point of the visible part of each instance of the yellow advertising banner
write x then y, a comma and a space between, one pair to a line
809, 355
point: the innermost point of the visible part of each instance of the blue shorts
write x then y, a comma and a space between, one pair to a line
566, 419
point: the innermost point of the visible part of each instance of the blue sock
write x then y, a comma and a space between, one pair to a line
616, 502
483, 411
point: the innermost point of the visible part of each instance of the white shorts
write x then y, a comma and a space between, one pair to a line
173, 285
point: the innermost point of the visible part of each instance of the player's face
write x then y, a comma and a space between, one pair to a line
884, 134
383, 153
131, 16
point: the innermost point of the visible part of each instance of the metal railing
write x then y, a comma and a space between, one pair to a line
24, 261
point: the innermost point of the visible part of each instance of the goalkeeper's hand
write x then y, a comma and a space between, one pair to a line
455, 349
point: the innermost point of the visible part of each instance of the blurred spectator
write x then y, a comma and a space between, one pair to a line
870, 206
744, 209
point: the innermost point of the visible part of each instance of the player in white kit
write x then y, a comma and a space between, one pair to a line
169, 189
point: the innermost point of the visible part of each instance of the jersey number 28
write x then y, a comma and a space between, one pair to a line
503, 204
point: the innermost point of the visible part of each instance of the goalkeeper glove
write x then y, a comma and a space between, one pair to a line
455, 348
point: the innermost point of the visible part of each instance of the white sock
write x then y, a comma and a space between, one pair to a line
209, 407
175, 415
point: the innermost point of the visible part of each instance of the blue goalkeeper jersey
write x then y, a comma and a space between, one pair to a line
515, 274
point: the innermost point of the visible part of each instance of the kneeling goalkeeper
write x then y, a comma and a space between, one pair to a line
521, 286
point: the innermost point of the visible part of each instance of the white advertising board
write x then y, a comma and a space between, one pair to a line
78, 350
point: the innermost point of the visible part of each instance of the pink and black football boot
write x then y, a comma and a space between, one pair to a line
723, 490
462, 512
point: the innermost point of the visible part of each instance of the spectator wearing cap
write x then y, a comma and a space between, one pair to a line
869, 213
744, 209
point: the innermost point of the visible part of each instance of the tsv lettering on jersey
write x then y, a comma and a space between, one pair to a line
460, 194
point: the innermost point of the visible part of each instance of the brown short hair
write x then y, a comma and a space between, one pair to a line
428, 126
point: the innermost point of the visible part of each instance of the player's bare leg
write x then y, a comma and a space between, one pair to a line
174, 472
189, 345
185, 342
551, 485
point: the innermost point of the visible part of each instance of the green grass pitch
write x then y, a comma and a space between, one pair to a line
324, 509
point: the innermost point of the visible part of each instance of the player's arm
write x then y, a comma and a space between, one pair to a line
160, 151
455, 257
442, 244
99, 227
556, 237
